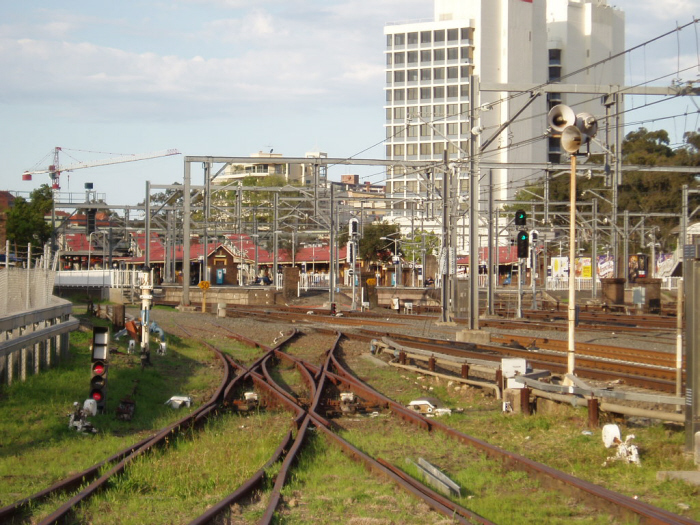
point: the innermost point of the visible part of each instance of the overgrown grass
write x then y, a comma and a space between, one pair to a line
326, 487
195, 471
36, 446
561, 439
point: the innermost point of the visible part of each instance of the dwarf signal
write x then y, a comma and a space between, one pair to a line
98, 380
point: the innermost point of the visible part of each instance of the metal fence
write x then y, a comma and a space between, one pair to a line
25, 289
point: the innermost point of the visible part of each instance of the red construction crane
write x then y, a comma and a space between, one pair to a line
55, 169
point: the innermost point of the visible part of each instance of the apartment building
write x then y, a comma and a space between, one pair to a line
429, 66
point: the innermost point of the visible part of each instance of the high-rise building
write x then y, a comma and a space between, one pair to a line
429, 66
579, 34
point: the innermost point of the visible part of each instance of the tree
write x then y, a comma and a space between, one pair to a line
641, 192
413, 249
26, 220
372, 248
657, 192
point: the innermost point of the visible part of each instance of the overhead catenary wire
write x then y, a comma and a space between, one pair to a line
601, 62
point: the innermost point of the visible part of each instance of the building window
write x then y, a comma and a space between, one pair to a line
411, 149
399, 58
426, 37
399, 113
453, 73
452, 91
464, 90
389, 40
439, 92
452, 35
439, 35
399, 132
466, 33
389, 113
389, 60
425, 111
464, 71
554, 72
412, 93
389, 77
412, 57
412, 39
439, 129
399, 76
411, 111
439, 73
413, 131
439, 111
451, 148
452, 109
425, 149
438, 148
399, 39
426, 55
439, 54
398, 95
389, 132
388, 95
452, 53
425, 74
452, 128
388, 151
412, 75
555, 57
424, 130
463, 109
465, 53
425, 93
464, 128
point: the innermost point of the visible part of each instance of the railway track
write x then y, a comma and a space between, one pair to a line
307, 384
635, 366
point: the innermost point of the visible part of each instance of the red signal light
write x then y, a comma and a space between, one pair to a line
97, 395
98, 368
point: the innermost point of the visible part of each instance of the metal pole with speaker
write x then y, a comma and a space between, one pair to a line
574, 131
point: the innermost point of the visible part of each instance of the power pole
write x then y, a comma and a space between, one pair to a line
473, 209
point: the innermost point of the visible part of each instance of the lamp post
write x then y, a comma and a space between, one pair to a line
396, 254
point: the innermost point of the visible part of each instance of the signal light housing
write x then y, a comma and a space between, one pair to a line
98, 369
523, 245
520, 218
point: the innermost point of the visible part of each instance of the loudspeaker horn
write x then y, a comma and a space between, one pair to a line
571, 139
587, 123
561, 116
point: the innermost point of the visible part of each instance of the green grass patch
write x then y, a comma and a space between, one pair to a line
179, 482
36, 446
327, 487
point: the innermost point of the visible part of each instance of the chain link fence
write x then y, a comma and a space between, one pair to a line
25, 289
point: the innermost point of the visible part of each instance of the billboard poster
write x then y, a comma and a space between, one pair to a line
584, 268
606, 267
665, 263
560, 267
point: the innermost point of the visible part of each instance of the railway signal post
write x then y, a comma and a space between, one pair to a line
691, 277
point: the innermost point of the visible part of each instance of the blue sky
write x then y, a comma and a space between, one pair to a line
230, 77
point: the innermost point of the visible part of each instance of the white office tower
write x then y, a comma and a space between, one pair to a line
505, 44
580, 34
